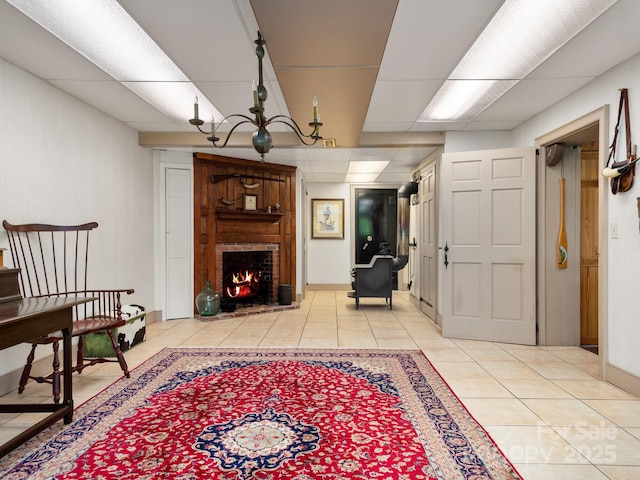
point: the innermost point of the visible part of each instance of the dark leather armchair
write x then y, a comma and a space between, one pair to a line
373, 280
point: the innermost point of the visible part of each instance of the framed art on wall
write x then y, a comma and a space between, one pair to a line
327, 218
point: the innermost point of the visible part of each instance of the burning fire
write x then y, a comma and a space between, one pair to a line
244, 284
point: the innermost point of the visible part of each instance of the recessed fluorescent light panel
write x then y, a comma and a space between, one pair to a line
361, 177
365, 171
520, 36
104, 33
463, 100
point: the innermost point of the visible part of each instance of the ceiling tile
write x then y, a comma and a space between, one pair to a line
400, 101
428, 37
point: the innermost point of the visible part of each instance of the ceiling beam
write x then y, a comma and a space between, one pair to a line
289, 140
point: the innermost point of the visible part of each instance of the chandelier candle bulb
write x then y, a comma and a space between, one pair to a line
255, 94
195, 108
315, 109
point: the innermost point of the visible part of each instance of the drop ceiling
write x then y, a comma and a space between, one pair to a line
374, 65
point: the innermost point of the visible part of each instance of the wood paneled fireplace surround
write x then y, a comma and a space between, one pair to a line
226, 220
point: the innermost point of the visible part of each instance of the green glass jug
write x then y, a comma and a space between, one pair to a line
208, 301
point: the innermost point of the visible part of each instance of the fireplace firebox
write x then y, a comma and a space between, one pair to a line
247, 277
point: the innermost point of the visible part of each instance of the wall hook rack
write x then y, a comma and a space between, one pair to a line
241, 176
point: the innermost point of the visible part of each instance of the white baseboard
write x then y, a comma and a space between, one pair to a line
10, 381
321, 287
622, 379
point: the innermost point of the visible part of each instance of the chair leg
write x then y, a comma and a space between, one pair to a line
119, 354
26, 371
80, 355
55, 376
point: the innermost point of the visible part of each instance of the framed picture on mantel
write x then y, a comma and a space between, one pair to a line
250, 202
327, 217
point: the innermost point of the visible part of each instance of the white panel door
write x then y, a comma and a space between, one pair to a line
488, 223
179, 296
428, 247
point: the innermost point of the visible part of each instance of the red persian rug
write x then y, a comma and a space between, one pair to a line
193, 413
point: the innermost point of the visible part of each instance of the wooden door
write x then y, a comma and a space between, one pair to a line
488, 234
589, 244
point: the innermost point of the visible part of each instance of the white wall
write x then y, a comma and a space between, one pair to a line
623, 335
623, 252
329, 260
469, 141
64, 162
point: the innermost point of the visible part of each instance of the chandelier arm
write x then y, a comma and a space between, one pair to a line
291, 123
302, 137
226, 140
287, 121
245, 117
201, 130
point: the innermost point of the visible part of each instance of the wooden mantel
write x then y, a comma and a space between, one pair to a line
220, 217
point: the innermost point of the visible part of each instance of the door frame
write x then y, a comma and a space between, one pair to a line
601, 118
303, 233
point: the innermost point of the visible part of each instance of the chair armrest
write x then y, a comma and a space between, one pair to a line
106, 303
371, 264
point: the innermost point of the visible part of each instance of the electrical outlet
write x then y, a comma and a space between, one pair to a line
614, 230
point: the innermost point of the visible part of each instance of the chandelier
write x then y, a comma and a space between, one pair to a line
261, 139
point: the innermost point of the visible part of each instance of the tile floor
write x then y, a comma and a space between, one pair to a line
544, 406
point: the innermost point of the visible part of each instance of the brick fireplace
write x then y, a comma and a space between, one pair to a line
223, 222
256, 264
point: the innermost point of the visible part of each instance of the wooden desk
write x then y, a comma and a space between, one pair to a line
27, 318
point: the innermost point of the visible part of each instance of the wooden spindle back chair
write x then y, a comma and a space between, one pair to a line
53, 261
